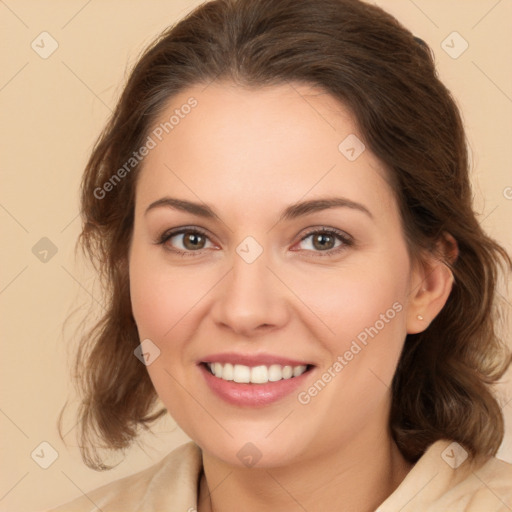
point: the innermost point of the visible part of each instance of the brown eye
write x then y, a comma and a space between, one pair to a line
193, 240
326, 242
323, 241
185, 241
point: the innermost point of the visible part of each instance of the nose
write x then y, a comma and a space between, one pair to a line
251, 299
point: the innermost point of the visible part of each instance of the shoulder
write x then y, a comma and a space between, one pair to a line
487, 486
446, 479
170, 484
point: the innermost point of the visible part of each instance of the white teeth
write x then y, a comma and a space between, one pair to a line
217, 369
227, 371
256, 374
259, 375
240, 373
298, 370
275, 373
287, 372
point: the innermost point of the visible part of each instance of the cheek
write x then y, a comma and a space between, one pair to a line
356, 298
160, 298
364, 307
155, 304
161, 305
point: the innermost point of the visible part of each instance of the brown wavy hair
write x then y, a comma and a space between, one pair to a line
386, 77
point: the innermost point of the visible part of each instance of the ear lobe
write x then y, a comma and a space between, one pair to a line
432, 281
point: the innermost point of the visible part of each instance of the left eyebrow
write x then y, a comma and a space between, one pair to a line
315, 205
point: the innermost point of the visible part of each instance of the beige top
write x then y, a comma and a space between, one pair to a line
441, 481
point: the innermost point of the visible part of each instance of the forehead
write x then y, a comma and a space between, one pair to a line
259, 147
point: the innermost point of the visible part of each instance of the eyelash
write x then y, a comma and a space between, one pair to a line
347, 240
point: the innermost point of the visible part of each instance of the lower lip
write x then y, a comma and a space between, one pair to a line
252, 395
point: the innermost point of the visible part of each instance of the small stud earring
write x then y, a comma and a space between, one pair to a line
419, 317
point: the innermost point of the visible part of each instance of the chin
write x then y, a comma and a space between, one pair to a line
259, 450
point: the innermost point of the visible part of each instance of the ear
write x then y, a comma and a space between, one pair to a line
431, 284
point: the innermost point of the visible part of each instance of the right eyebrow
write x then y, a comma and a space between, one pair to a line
202, 210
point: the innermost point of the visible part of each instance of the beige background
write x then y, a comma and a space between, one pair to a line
52, 111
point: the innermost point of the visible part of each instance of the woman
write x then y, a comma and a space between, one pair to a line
281, 211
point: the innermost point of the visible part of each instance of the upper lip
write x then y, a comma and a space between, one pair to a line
252, 359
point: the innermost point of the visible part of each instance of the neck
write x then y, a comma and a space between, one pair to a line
358, 476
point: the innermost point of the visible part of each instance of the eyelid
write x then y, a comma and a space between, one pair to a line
346, 240
326, 229
170, 233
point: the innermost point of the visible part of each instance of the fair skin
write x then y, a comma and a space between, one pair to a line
249, 154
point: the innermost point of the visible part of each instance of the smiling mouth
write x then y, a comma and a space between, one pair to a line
262, 374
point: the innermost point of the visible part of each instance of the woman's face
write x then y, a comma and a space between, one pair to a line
285, 249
